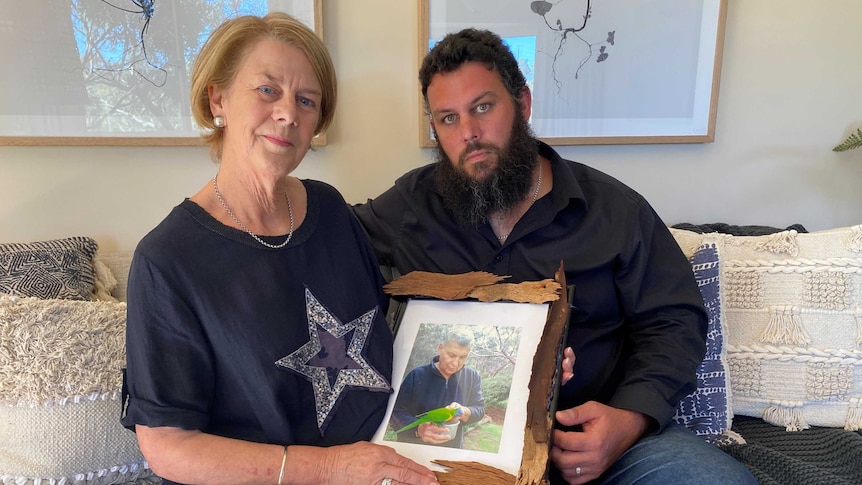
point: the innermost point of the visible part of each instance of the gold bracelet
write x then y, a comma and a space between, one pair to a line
283, 461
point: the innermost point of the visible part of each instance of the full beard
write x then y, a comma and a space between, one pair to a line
473, 200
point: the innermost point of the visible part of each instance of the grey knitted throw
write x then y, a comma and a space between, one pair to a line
815, 456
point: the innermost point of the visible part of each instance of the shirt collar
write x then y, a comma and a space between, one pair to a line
566, 187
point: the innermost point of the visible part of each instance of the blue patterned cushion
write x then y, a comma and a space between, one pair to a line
62, 268
707, 410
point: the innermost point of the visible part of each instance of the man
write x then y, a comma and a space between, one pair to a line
444, 382
500, 201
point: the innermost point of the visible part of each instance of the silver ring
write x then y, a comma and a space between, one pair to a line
386, 481
577, 472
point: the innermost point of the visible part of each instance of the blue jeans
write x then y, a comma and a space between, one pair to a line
675, 456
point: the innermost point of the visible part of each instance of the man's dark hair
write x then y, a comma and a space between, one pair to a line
472, 45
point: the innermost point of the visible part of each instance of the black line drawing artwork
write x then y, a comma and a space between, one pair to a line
155, 73
136, 57
543, 8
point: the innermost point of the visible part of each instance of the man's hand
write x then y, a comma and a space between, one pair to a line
465, 413
568, 366
433, 434
607, 433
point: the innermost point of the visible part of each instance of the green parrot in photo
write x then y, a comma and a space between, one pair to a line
437, 416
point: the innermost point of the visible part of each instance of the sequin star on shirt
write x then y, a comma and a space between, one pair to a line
332, 358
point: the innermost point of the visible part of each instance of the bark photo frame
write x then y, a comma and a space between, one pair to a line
517, 352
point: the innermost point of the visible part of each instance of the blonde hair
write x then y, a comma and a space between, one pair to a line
222, 56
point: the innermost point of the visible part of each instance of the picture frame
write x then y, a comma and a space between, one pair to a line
113, 72
614, 72
530, 409
502, 331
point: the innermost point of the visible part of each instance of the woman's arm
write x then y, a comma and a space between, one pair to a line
194, 457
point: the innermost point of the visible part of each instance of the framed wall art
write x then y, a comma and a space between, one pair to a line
112, 72
610, 72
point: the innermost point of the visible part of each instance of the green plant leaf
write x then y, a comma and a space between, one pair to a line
852, 141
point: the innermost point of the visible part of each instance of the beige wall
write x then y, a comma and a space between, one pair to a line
791, 88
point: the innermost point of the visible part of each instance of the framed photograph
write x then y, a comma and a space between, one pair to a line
485, 352
112, 72
610, 72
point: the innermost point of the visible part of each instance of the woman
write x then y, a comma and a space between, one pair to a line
257, 348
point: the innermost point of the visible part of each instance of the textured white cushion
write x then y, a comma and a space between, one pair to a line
793, 313
60, 380
116, 275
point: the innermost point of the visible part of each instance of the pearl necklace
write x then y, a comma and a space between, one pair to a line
246, 229
532, 200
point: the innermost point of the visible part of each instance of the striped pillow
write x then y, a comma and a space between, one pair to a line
707, 411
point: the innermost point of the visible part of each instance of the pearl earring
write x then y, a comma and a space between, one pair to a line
218, 121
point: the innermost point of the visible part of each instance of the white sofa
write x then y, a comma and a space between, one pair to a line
786, 343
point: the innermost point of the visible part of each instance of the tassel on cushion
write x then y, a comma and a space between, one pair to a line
787, 414
785, 327
783, 242
854, 415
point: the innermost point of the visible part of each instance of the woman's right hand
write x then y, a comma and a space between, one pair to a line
186, 456
367, 463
